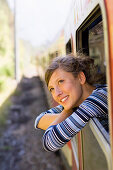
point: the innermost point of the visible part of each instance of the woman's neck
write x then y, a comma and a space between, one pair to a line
87, 89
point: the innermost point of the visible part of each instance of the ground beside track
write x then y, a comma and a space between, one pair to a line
20, 144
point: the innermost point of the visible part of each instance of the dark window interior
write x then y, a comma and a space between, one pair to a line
68, 47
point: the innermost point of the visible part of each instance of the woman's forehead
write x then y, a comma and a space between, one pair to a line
58, 74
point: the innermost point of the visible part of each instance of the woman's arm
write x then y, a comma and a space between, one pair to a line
62, 116
52, 119
56, 136
47, 120
44, 120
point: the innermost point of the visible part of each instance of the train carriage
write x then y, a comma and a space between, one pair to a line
89, 29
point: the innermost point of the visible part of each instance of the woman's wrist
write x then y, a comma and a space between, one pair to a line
67, 112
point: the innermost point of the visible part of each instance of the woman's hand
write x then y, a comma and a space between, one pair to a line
62, 116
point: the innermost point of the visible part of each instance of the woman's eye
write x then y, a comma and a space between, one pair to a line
60, 81
51, 89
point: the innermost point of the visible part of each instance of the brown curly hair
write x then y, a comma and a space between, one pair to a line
74, 64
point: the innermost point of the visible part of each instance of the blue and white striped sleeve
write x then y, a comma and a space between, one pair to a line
56, 136
53, 110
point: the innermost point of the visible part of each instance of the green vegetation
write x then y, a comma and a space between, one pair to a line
6, 44
7, 148
6, 58
4, 112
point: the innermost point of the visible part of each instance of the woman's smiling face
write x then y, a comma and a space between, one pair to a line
66, 89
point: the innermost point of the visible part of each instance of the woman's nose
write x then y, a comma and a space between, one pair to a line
58, 91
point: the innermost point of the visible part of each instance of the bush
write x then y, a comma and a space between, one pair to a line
7, 70
2, 83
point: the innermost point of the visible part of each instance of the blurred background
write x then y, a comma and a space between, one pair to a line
30, 31
31, 35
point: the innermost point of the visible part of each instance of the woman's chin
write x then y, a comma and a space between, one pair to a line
67, 108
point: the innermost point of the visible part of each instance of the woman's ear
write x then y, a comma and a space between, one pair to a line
82, 78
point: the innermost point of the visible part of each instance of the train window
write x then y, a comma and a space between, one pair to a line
90, 40
96, 47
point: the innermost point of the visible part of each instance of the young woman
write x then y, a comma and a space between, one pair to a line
72, 83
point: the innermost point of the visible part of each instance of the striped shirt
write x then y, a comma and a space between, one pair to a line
56, 136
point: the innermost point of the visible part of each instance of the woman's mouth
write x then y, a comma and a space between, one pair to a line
64, 99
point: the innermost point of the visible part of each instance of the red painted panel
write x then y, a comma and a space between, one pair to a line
109, 12
69, 145
80, 151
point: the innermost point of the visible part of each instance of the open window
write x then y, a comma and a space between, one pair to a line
90, 41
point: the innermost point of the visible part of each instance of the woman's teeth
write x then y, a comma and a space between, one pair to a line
65, 98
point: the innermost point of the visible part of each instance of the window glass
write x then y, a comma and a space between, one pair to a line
96, 51
96, 46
